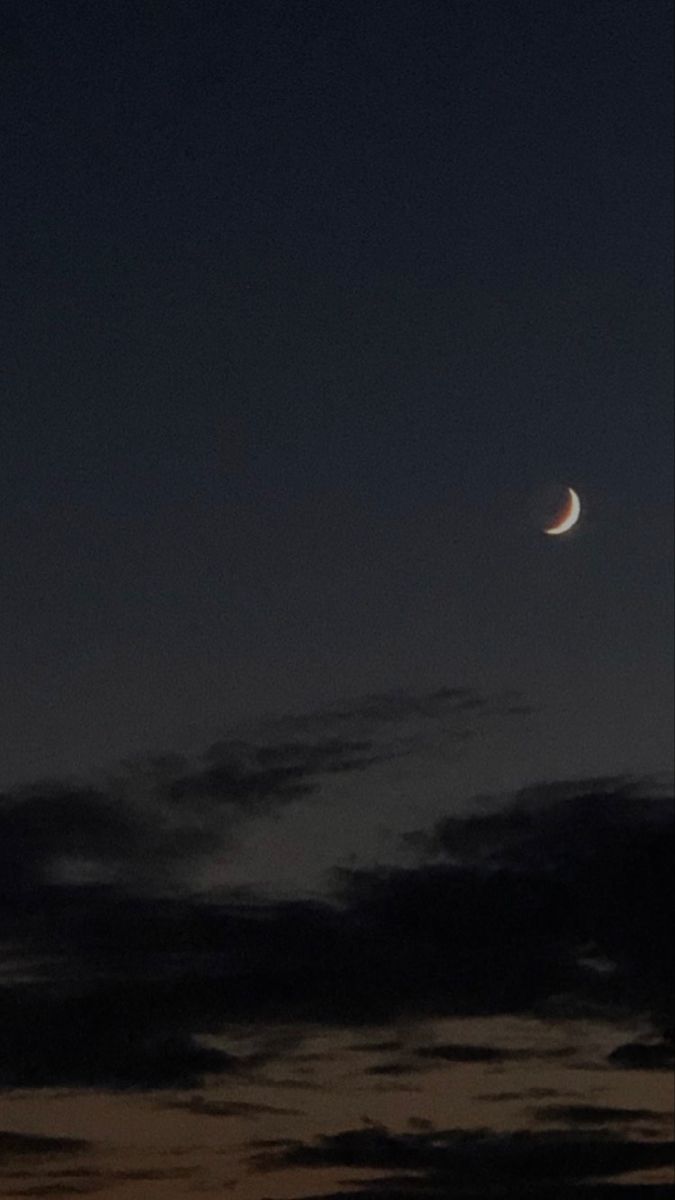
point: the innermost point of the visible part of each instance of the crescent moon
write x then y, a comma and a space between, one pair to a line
568, 517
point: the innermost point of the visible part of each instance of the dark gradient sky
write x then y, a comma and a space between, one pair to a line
335, 821
301, 304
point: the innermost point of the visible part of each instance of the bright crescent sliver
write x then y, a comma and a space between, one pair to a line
570, 518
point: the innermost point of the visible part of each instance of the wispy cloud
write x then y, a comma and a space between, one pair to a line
151, 821
597, 1114
17, 1145
202, 1107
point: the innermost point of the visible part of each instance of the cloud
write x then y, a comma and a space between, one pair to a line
42, 825
56, 832
36, 1151
425, 1058
458, 1052
382, 1047
115, 1035
397, 1189
244, 775
645, 1056
202, 1107
389, 1069
598, 855
127, 989
89, 1182
533, 1093
468, 1163
398, 708
17, 1145
596, 1114
153, 819
283, 758
57, 1189
543, 823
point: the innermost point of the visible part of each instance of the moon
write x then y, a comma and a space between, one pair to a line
568, 517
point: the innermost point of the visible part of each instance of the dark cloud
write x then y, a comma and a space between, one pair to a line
645, 1056
598, 852
271, 1143
41, 826
467, 1163
596, 1114
535, 1093
244, 775
400, 707
125, 988
17, 1145
57, 1189
297, 749
389, 1069
150, 820
111, 1035
91, 1182
39, 1178
120, 1175
420, 1124
543, 823
50, 833
382, 1047
394, 1188
458, 1052
202, 1107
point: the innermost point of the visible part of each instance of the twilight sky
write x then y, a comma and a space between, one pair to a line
334, 795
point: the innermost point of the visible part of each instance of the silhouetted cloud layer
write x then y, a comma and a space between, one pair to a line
395, 1188
558, 904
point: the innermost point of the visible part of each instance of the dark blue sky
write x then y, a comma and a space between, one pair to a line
301, 305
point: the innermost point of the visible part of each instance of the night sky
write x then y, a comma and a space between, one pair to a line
335, 796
